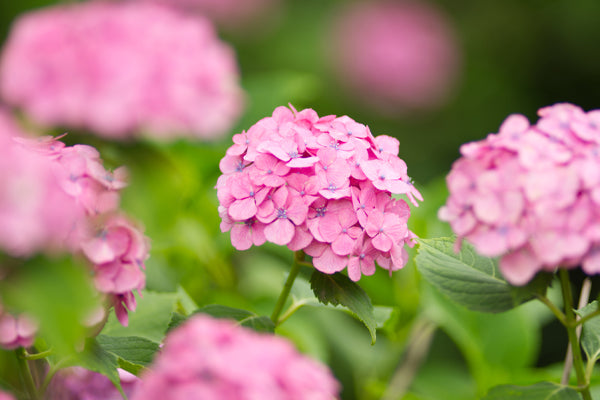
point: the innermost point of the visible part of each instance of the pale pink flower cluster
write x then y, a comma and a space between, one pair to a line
16, 331
395, 55
206, 358
61, 198
121, 69
321, 185
531, 193
114, 246
231, 14
76, 383
6, 396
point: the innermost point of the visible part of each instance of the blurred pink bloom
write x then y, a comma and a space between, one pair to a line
76, 383
6, 396
318, 185
240, 16
206, 358
529, 193
16, 330
121, 70
395, 56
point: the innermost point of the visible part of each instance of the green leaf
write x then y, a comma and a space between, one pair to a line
244, 317
97, 359
134, 353
590, 335
539, 391
470, 279
150, 319
338, 289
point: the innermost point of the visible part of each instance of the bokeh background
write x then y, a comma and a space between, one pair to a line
492, 59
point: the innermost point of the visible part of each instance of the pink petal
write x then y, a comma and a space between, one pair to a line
280, 231
329, 262
241, 237
244, 209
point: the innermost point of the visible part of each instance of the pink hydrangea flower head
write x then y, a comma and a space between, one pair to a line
16, 330
233, 15
529, 194
35, 212
76, 383
395, 55
6, 396
317, 184
120, 70
206, 358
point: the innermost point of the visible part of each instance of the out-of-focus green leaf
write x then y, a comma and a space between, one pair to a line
150, 320
58, 293
134, 353
470, 279
338, 289
244, 317
539, 391
590, 334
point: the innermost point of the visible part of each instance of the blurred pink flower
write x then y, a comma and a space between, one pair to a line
395, 56
529, 193
76, 383
6, 396
318, 185
121, 70
234, 15
16, 330
206, 358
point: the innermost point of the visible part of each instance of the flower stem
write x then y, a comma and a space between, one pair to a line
571, 326
25, 373
37, 356
285, 292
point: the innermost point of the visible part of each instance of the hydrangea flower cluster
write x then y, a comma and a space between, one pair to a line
398, 55
321, 185
76, 383
55, 198
121, 69
114, 246
16, 331
531, 193
230, 14
206, 358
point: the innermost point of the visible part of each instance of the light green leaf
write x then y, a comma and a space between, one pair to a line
338, 289
150, 320
590, 335
134, 353
470, 279
539, 391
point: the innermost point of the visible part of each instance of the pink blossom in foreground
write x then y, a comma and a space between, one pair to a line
61, 198
76, 383
319, 184
530, 193
6, 396
206, 358
121, 70
16, 330
395, 55
34, 211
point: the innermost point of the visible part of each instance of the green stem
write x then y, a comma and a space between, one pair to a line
37, 356
555, 310
25, 373
285, 292
570, 325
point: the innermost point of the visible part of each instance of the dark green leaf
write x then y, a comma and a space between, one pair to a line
338, 289
244, 317
134, 353
539, 391
176, 320
470, 279
219, 311
590, 335
97, 359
